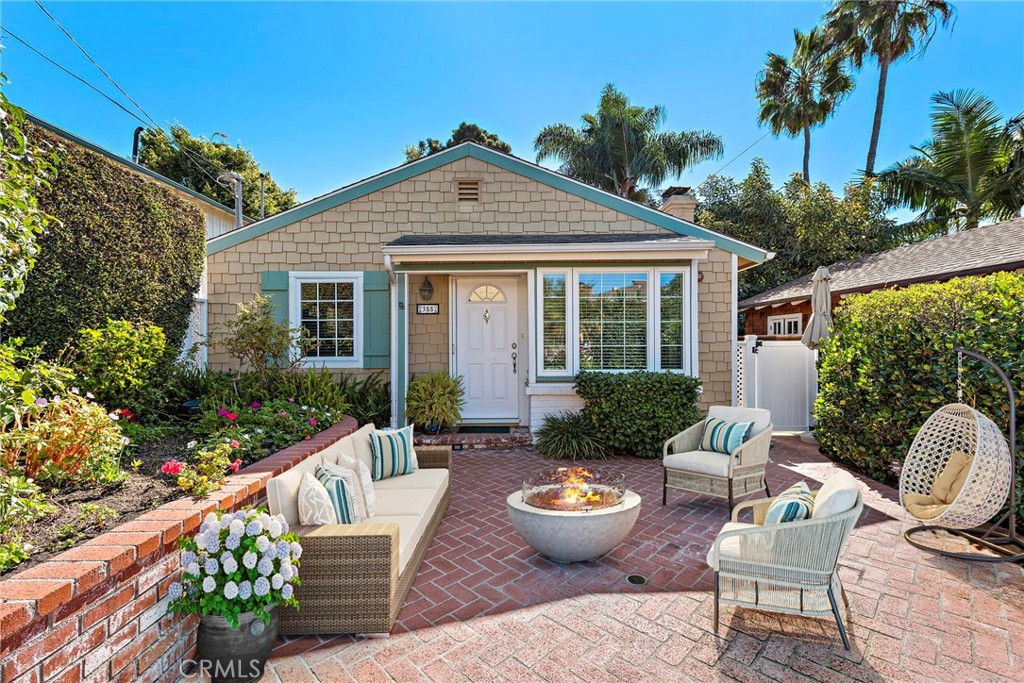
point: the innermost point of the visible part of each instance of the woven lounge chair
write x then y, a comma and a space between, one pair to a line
715, 474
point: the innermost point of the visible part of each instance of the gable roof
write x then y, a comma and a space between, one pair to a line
505, 161
982, 250
67, 135
567, 238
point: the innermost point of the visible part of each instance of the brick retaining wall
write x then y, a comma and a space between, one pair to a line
98, 611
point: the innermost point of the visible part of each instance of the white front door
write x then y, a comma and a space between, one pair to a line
487, 353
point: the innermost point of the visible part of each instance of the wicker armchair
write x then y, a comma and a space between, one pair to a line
788, 568
715, 474
350, 577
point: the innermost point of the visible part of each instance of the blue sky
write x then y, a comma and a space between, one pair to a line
328, 93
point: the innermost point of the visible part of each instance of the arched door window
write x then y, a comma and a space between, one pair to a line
487, 293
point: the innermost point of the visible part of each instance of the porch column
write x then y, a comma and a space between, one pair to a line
399, 349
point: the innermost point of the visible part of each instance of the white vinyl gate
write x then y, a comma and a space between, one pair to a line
780, 376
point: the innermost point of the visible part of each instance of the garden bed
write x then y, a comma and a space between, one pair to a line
89, 509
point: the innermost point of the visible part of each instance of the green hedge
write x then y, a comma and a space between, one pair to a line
123, 247
890, 363
634, 413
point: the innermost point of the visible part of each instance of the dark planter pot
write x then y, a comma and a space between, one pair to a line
236, 655
432, 428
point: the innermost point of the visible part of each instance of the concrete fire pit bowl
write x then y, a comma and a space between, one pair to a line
574, 535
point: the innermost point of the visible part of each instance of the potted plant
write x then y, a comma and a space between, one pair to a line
434, 401
237, 570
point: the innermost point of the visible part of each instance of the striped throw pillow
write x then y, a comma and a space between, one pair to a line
724, 437
341, 493
393, 454
792, 505
354, 486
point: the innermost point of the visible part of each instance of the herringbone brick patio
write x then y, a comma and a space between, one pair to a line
485, 607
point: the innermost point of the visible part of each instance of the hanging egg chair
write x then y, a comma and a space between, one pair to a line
958, 475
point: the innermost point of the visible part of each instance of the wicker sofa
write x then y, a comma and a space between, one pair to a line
355, 577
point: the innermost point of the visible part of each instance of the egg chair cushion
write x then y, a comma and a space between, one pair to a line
924, 507
951, 480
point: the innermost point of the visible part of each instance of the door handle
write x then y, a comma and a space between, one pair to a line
514, 357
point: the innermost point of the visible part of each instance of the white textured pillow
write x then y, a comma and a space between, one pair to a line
365, 482
315, 503
353, 482
838, 494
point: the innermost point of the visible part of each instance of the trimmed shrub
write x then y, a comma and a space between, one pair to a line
569, 436
634, 413
890, 363
118, 362
122, 247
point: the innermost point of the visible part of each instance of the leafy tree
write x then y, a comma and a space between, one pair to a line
971, 169
194, 161
24, 168
802, 92
620, 148
888, 31
805, 225
465, 132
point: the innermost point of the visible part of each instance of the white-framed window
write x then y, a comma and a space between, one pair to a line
783, 325
329, 307
613, 320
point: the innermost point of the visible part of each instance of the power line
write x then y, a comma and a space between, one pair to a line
192, 155
74, 75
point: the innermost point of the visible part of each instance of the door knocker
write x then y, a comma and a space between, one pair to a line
487, 315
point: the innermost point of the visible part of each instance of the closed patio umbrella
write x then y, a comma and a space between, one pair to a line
820, 323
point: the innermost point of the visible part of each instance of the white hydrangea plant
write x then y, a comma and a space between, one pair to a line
243, 561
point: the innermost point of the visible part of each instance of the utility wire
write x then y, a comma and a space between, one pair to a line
74, 75
192, 155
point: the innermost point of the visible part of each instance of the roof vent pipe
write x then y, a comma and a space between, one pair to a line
236, 180
263, 178
135, 144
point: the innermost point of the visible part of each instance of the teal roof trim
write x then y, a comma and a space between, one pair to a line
505, 161
126, 162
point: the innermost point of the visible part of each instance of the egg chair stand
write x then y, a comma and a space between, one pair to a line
1005, 543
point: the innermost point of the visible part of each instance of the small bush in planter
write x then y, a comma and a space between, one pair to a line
435, 400
569, 436
634, 413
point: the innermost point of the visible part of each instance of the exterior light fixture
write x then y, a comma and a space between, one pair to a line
426, 289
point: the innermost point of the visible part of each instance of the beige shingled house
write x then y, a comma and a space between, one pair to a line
496, 269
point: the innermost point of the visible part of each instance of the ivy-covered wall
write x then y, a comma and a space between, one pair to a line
122, 247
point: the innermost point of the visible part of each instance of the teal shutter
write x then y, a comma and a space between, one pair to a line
376, 320
275, 288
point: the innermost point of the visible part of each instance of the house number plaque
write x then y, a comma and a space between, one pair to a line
428, 309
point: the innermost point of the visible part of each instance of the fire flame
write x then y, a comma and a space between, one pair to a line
575, 491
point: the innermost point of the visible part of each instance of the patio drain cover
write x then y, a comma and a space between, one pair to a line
637, 580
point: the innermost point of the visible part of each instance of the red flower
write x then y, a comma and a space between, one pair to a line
127, 414
312, 421
235, 465
232, 416
307, 436
172, 466
234, 443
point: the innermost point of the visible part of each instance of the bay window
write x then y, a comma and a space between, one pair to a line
613, 319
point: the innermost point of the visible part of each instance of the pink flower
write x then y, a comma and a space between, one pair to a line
234, 443
236, 464
231, 416
291, 400
172, 466
312, 421
284, 413
307, 437
222, 411
255, 405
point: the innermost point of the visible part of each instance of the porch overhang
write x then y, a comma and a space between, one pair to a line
523, 249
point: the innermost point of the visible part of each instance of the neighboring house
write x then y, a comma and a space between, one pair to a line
784, 310
219, 218
488, 266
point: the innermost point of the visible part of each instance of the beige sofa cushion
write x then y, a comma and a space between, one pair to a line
701, 462
392, 502
360, 445
410, 531
420, 479
283, 490
731, 546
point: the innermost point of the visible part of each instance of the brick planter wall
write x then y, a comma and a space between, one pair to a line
98, 611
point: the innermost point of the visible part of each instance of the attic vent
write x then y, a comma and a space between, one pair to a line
467, 191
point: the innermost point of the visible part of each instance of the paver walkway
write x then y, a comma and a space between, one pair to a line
486, 608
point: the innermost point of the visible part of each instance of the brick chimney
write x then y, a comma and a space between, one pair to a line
679, 202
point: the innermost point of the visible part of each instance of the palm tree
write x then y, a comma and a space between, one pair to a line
887, 30
803, 92
971, 169
621, 150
